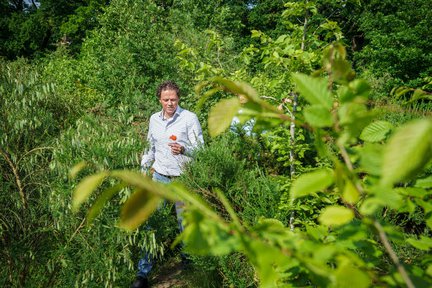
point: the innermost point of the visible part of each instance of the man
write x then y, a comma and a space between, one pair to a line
172, 136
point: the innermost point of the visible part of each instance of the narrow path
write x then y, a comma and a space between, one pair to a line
170, 275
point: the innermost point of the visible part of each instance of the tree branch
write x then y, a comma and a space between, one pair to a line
17, 177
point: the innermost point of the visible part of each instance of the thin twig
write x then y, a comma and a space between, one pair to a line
17, 177
382, 235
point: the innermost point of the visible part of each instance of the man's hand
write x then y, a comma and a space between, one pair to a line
149, 172
176, 148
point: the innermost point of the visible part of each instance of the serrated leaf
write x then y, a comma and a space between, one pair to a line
85, 188
221, 115
314, 90
318, 116
311, 182
138, 208
335, 216
376, 131
407, 152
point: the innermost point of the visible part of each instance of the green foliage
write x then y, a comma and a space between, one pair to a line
396, 42
90, 103
350, 236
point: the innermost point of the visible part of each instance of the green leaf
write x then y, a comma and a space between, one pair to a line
429, 222
102, 199
376, 131
419, 94
311, 182
314, 90
265, 263
238, 88
424, 183
370, 205
427, 206
335, 216
371, 155
137, 179
389, 196
85, 188
76, 169
138, 208
429, 270
318, 116
424, 243
205, 236
360, 87
407, 152
350, 193
349, 276
221, 115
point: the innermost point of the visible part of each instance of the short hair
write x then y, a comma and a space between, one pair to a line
168, 85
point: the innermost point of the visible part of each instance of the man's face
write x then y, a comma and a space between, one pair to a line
169, 101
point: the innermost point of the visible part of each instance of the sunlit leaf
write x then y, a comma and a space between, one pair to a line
429, 222
407, 151
85, 188
350, 193
419, 94
207, 236
138, 208
318, 116
424, 243
370, 205
237, 88
311, 182
349, 276
137, 179
371, 155
376, 131
314, 90
101, 200
76, 169
389, 196
360, 87
221, 115
429, 270
424, 183
335, 216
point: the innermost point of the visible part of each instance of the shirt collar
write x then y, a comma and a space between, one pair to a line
177, 112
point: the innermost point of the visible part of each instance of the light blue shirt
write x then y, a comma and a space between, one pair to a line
184, 125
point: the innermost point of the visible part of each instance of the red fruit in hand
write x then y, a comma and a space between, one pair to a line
173, 137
